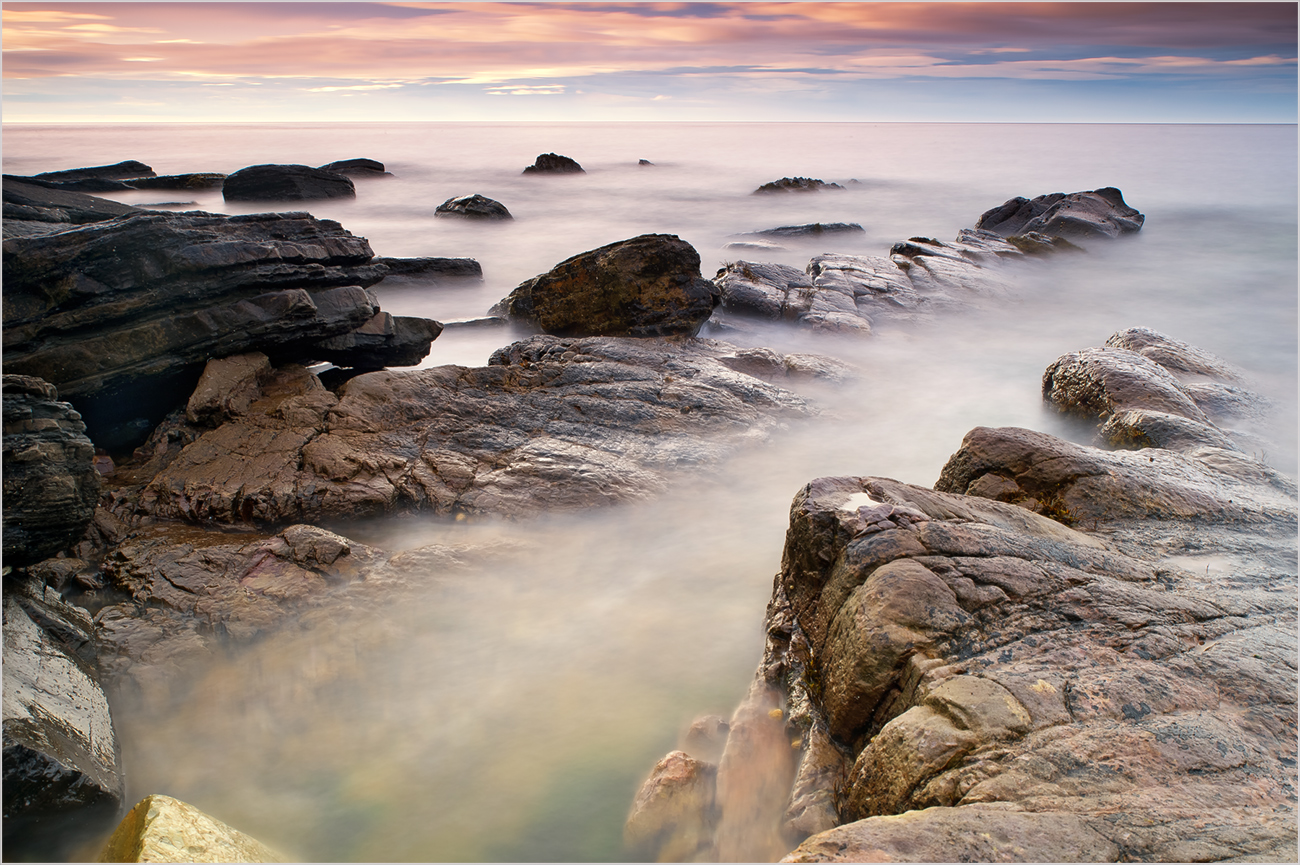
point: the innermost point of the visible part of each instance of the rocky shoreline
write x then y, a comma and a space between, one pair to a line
173, 445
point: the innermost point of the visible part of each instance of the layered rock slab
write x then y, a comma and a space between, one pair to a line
549, 424
1097, 213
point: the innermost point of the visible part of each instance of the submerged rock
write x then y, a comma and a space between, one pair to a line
50, 482
1099, 213
553, 163
198, 180
432, 268
646, 286
285, 183
126, 170
473, 207
796, 184
163, 829
849, 293
813, 229
674, 815
359, 167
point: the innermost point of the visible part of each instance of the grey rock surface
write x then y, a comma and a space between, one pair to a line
285, 183
1094, 214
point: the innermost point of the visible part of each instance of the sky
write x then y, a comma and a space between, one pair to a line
559, 61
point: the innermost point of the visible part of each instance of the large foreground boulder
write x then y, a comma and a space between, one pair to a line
646, 286
51, 486
1099, 213
286, 183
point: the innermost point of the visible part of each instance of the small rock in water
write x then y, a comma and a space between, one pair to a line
553, 163
473, 207
796, 184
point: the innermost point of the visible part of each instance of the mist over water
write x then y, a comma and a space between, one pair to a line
510, 711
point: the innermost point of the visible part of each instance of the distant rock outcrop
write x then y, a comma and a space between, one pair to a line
553, 163
285, 183
1099, 213
359, 167
796, 184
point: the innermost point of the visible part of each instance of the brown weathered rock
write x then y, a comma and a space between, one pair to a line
674, 815
163, 829
551, 424
646, 286
50, 482
1100, 382
227, 388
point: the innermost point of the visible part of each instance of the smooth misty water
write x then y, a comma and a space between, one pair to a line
510, 713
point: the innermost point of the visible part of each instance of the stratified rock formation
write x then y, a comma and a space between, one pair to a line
163, 829
554, 163
51, 486
285, 183
1099, 213
847, 293
432, 268
646, 286
121, 316
473, 207
34, 209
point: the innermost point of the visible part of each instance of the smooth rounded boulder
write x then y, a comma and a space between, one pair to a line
645, 286
285, 183
473, 207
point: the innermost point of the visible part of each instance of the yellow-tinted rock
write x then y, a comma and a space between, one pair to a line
163, 829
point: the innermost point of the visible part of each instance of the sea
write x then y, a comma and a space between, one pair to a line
510, 711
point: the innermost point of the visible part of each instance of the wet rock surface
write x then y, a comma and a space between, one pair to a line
163, 829
849, 293
285, 183
62, 782
473, 207
50, 482
809, 230
645, 286
432, 268
967, 679
1099, 213
358, 167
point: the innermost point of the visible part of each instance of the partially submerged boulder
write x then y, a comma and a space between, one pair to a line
285, 183
1099, 213
473, 207
796, 184
125, 170
359, 167
646, 286
554, 163
193, 181
674, 816
809, 230
432, 268
163, 829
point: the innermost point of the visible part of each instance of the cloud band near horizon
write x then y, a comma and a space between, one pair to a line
1097, 62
